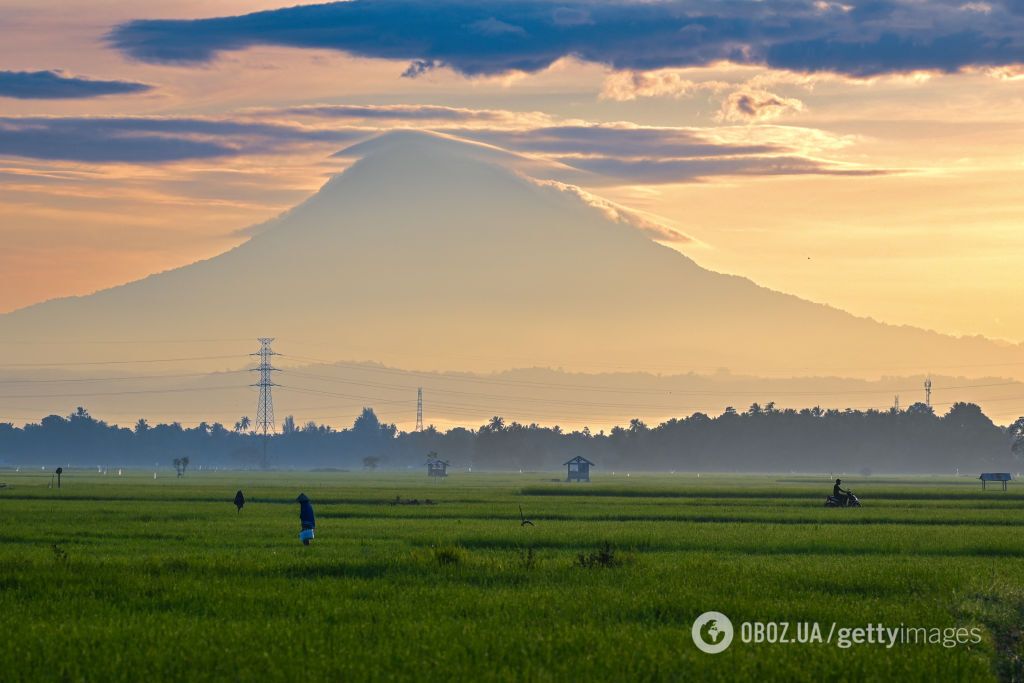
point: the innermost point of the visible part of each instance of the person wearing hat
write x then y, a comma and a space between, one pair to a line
307, 518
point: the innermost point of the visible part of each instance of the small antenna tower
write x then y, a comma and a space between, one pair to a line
265, 407
928, 391
896, 403
419, 409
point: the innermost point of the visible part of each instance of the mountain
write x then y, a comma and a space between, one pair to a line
433, 252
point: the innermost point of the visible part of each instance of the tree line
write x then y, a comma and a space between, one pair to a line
759, 439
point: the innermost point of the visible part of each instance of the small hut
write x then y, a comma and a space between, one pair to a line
578, 469
437, 467
986, 477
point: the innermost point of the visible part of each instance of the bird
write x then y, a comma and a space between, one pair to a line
239, 500
523, 521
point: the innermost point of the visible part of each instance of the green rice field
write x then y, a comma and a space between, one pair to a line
131, 578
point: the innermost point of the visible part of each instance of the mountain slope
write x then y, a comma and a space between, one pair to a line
429, 247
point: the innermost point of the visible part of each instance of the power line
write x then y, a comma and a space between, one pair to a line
78, 342
495, 382
417, 373
364, 399
125, 378
532, 399
170, 414
114, 362
602, 388
634, 366
122, 393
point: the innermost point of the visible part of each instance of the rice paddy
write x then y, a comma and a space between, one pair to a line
129, 578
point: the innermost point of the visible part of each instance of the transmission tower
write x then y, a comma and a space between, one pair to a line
419, 409
928, 392
265, 407
896, 403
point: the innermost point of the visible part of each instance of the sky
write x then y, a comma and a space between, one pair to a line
865, 155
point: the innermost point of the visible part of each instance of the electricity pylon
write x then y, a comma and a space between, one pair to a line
419, 409
265, 407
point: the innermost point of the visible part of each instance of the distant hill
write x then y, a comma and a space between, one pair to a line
335, 393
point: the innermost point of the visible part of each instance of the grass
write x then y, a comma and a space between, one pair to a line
129, 578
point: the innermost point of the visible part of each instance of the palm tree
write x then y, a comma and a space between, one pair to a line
1017, 438
242, 424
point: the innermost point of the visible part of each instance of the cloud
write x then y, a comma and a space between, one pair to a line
149, 139
622, 154
623, 141
620, 214
404, 112
807, 141
617, 171
1007, 73
496, 27
747, 106
596, 155
571, 16
624, 86
871, 38
415, 113
579, 153
52, 85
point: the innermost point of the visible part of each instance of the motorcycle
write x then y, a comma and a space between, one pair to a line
851, 501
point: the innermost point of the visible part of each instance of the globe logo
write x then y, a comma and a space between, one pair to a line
712, 632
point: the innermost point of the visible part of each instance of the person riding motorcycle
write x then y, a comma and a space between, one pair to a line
840, 494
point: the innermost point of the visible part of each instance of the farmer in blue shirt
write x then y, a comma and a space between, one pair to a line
307, 518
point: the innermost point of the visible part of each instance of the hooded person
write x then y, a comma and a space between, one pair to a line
307, 519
